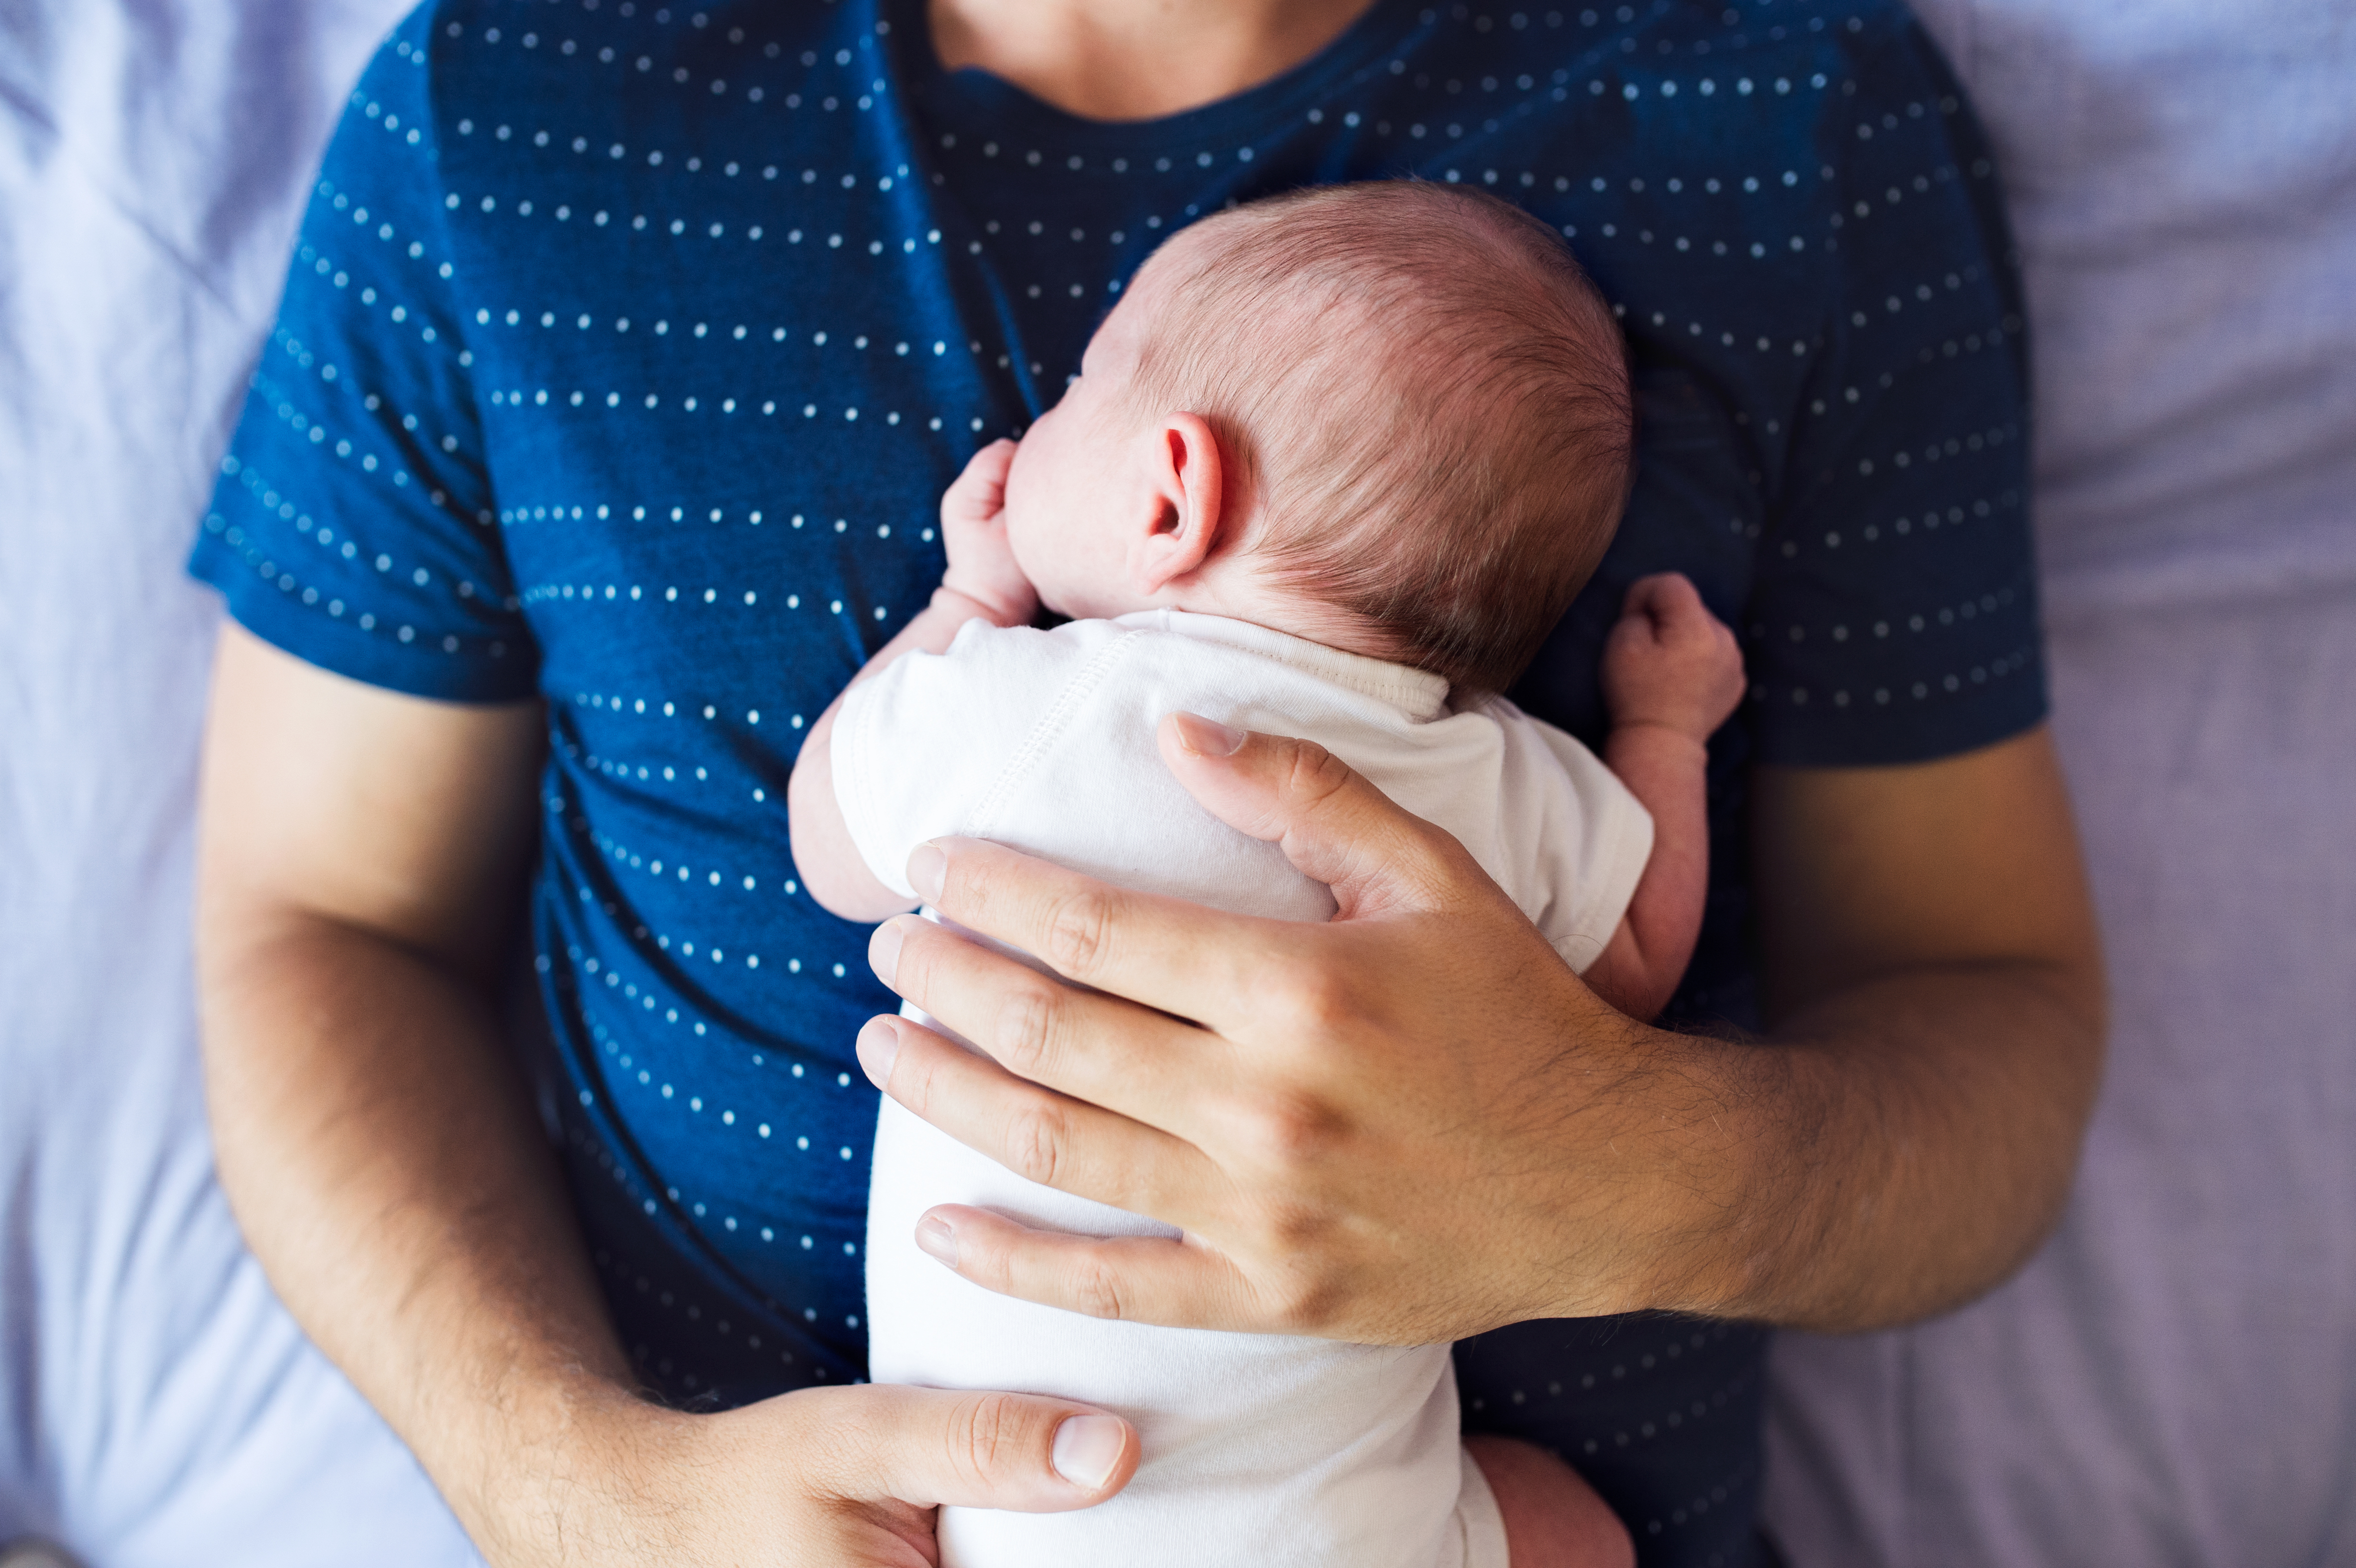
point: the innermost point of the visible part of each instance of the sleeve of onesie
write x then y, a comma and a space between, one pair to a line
921, 749
1594, 838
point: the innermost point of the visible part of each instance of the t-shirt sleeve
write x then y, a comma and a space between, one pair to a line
927, 747
353, 524
1893, 617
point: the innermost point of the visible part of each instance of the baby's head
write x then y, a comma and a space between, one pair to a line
1393, 417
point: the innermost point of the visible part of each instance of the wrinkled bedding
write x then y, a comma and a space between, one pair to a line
157, 1407
2172, 1380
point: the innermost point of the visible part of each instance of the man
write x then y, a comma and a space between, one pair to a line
485, 467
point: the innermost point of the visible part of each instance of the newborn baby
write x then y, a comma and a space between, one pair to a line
1332, 469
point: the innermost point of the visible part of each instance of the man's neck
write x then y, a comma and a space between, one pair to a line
1135, 59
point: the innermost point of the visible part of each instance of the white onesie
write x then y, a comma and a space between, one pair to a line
1260, 1451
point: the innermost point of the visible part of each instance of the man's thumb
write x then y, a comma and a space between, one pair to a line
995, 1450
1331, 823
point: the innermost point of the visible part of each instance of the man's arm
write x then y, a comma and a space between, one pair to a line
361, 860
1934, 981
361, 863
1414, 1123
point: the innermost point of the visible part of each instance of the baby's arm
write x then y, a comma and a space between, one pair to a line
1672, 673
982, 582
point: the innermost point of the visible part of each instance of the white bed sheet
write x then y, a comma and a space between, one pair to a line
2172, 1380
157, 1407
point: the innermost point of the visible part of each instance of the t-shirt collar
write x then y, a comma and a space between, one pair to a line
1417, 694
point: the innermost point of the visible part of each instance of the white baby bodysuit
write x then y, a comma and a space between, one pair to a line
1260, 1451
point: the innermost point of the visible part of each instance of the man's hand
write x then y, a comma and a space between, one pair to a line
1669, 662
361, 855
1413, 1124
838, 1477
973, 532
1410, 1124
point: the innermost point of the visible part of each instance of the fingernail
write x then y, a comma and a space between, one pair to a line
926, 867
884, 949
1087, 1449
1207, 738
937, 1241
878, 1047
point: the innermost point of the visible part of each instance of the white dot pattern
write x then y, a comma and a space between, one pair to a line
628, 348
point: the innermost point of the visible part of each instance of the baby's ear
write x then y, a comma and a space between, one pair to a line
1186, 492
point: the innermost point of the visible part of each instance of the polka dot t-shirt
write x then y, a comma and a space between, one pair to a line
626, 352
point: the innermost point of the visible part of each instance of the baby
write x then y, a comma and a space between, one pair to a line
1334, 467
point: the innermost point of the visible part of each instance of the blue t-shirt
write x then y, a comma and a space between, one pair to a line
626, 353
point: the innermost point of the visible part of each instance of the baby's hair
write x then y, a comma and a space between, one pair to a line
1429, 403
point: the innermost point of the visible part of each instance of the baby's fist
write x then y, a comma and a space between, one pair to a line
1669, 661
973, 532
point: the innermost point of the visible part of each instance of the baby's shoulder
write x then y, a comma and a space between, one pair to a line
1534, 758
989, 681
1011, 660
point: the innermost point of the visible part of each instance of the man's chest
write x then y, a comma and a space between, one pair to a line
724, 376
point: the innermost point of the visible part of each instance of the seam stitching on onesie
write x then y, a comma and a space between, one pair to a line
1394, 692
1616, 879
1405, 696
979, 822
1408, 696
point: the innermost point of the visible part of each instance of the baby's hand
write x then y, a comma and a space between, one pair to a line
973, 530
1670, 661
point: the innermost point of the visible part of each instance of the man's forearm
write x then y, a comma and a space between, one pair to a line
383, 1159
360, 854
1894, 1149
1932, 979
